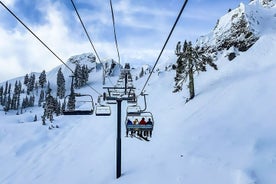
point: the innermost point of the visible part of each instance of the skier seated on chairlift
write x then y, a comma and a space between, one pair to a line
128, 123
149, 122
142, 122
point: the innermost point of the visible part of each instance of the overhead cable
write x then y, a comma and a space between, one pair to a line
114, 31
91, 43
179, 14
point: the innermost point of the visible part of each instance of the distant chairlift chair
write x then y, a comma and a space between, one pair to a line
80, 100
102, 110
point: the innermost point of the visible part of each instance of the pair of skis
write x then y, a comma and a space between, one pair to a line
142, 138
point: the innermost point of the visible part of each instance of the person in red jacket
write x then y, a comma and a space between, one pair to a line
143, 122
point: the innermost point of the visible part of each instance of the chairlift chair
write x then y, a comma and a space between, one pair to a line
79, 103
103, 110
135, 127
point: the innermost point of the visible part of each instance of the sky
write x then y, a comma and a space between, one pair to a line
142, 28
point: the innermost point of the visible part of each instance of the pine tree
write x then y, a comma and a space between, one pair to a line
58, 108
49, 106
42, 79
8, 103
71, 102
26, 79
43, 118
31, 84
48, 90
189, 61
31, 101
63, 107
60, 84
1, 95
35, 118
41, 98
5, 94
78, 76
36, 88
72, 99
84, 75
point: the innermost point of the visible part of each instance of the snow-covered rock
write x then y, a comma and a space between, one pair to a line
239, 29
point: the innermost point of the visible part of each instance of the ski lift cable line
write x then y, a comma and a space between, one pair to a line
19, 20
114, 31
75, 8
157, 60
91, 43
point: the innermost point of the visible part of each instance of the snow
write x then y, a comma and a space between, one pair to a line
226, 134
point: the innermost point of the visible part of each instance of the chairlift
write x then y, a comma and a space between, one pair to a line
82, 104
139, 121
134, 124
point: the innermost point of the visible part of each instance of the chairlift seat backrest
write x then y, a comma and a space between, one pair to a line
103, 110
83, 106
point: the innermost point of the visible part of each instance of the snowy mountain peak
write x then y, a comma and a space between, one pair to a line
240, 28
264, 3
88, 59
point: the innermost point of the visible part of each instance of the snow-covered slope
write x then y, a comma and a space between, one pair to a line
226, 134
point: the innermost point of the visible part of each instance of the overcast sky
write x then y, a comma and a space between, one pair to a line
142, 27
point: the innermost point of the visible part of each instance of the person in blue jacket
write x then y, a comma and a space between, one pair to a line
128, 123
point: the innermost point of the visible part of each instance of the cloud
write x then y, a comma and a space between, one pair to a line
24, 53
142, 27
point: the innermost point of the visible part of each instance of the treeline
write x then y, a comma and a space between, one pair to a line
21, 96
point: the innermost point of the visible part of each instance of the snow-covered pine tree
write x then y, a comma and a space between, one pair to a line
72, 99
7, 99
16, 96
8, 103
180, 66
42, 79
41, 97
63, 107
26, 79
1, 94
49, 106
189, 61
18, 92
43, 118
35, 118
31, 84
58, 107
85, 74
48, 90
31, 101
36, 88
78, 76
5, 94
60, 84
